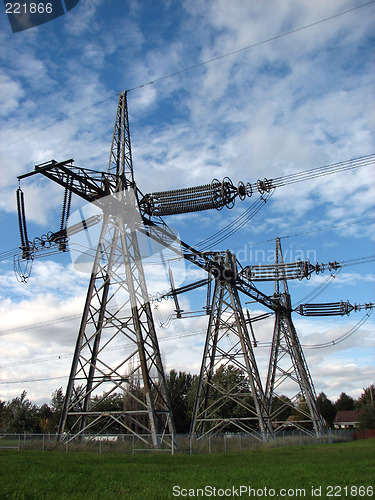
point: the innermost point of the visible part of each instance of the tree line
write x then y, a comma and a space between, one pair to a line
21, 415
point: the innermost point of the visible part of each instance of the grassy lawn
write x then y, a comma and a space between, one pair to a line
57, 475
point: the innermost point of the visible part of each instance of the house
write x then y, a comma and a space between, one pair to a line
347, 419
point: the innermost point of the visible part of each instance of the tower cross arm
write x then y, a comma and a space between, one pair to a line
90, 185
211, 262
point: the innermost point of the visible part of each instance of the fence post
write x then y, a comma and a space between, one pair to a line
209, 444
43, 443
225, 443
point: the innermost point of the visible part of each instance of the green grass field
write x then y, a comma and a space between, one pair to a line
269, 472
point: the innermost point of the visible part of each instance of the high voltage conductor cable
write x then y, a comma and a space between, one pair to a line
115, 348
334, 342
356, 261
318, 290
41, 324
36, 361
33, 380
327, 228
330, 169
236, 224
330, 343
350, 262
301, 176
14, 251
248, 47
195, 66
68, 117
343, 337
313, 173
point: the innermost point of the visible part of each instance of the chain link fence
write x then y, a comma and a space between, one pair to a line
186, 444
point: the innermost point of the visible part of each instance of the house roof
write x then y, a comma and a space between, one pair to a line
347, 416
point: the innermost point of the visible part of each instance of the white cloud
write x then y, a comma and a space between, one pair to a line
82, 18
11, 93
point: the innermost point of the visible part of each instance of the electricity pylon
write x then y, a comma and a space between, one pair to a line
117, 306
242, 405
118, 286
287, 365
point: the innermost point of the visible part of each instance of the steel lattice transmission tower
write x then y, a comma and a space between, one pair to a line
287, 365
228, 346
117, 304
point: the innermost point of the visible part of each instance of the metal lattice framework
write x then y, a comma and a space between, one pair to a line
287, 365
118, 284
118, 306
228, 345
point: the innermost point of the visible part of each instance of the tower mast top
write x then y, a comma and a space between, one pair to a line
120, 158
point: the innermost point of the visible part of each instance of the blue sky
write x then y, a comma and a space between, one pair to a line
297, 102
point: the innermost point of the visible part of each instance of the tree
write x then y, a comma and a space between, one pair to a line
21, 415
368, 396
344, 402
111, 403
367, 417
366, 404
57, 400
179, 387
2, 415
281, 408
301, 413
231, 388
45, 415
326, 408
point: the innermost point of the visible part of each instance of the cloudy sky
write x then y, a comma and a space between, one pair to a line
240, 88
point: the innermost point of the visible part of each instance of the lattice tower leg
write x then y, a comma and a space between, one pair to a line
236, 401
117, 310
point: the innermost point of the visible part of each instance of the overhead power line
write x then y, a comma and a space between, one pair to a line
285, 180
236, 224
42, 324
194, 66
323, 345
248, 47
